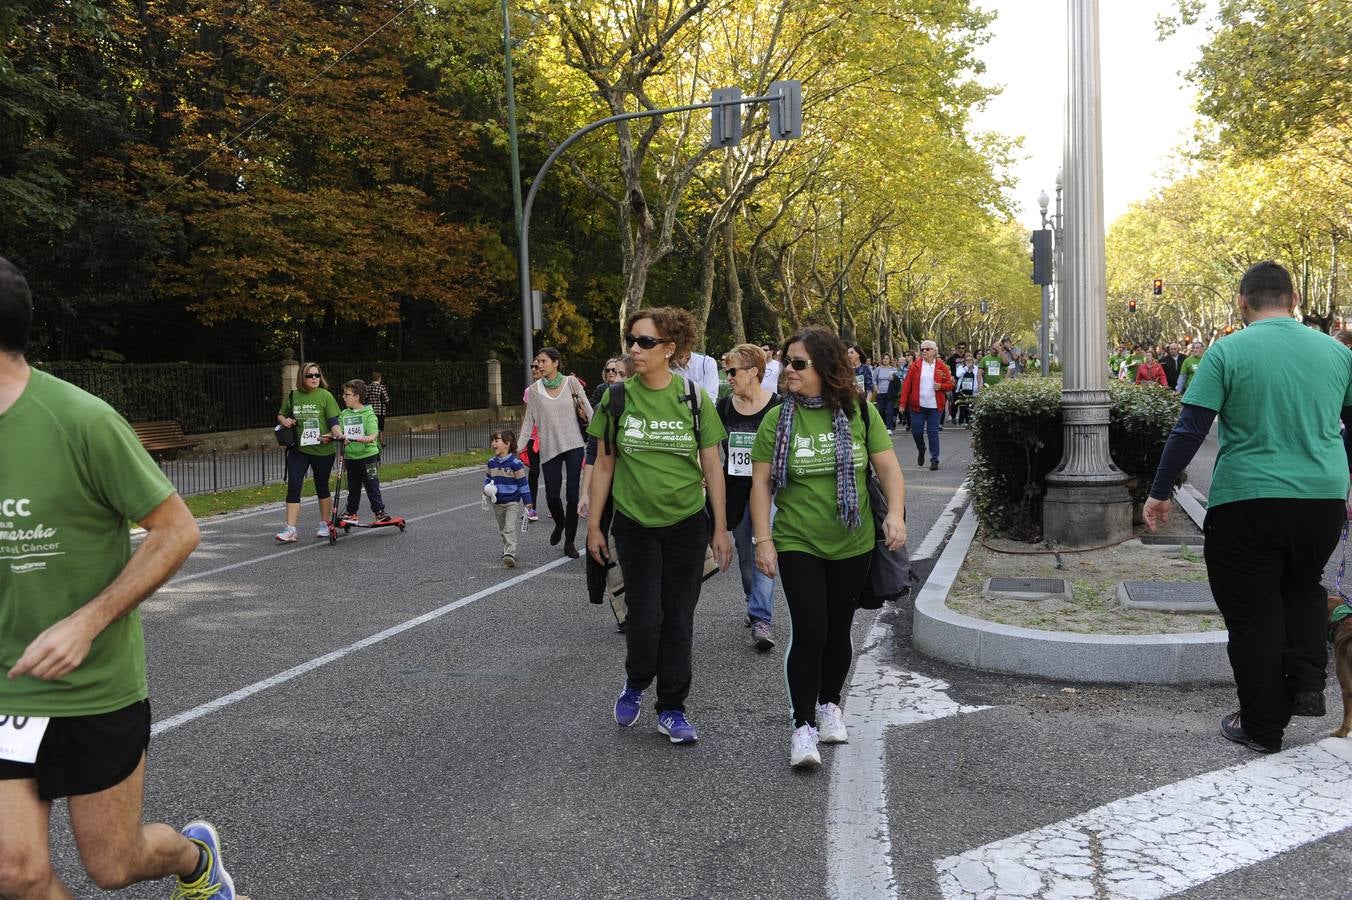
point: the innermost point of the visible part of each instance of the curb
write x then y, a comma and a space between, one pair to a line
939, 632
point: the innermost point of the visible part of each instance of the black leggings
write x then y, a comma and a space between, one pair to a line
567, 463
297, 464
822, 596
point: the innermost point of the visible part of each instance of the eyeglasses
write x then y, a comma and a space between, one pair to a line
612, 371
731, 371
312, 375
645, 342
800, 364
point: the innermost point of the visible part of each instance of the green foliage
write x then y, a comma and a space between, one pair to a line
1017, 441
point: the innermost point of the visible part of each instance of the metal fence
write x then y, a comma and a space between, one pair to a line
210, 471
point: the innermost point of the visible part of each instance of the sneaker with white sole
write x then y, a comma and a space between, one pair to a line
831, 724
323, 531
287, 535
803, 750
627, 706
676, 726
215, 883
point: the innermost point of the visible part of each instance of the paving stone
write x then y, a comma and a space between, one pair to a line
1167, 596
1026, 589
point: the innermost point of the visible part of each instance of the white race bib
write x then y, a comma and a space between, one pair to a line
309, 433
859, 383
354, 431
993, 369
739, 452
20, 737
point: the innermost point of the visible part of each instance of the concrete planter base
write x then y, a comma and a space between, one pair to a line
1060, 655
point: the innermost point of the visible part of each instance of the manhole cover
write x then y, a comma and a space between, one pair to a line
1172, 540
1027, 585
1026, 589
1167, 596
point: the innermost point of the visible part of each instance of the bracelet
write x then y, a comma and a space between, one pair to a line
765, 540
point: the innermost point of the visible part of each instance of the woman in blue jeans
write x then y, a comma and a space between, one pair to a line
922, 396
741, 414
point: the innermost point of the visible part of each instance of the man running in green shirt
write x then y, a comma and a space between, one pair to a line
992, 367
74, 718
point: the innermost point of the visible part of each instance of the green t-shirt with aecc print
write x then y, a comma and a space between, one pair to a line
807, 519
658, 480
991, 369
312, 410
1278, 429
65, 512
360, 422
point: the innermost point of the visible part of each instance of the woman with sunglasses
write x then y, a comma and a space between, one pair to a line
656, 473
314, 413
742, 413
556, 402
812, 458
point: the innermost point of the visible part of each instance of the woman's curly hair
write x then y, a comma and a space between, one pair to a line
674, 324
833, 367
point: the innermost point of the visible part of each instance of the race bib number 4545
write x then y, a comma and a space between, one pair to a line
20, 737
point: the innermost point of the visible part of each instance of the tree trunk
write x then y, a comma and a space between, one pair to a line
734, 281
707, 257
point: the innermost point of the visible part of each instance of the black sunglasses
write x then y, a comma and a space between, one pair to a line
643, 340
612, 371
800, 364
313, 375
731, 371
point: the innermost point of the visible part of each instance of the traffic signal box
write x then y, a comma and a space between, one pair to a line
1131, 306
1159, 287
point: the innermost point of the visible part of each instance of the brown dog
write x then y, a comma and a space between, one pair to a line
1342, 658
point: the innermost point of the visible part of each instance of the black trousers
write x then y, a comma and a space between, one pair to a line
822, 595
1265, 560
297, 464
663, 569
564, 470
364, 473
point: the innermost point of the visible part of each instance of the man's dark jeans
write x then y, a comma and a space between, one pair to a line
1265, 560
663, 569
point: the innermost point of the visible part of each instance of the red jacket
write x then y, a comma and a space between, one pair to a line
1151, 372
910, 388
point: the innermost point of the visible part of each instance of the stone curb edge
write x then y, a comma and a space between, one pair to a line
1060, 655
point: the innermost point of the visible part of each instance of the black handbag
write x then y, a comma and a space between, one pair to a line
286, 437
890, 577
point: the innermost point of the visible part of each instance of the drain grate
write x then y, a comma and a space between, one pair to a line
1167, 596
1027, 585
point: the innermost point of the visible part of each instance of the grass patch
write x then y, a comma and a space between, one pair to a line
245, 498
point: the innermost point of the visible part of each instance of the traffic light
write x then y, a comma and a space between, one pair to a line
1159, 287
1131, 306
1042, 256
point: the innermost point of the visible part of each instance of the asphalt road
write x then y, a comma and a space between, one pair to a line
347, 748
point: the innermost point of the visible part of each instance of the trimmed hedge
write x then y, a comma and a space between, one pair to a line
1017, 440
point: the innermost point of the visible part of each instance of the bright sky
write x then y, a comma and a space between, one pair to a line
1147, 103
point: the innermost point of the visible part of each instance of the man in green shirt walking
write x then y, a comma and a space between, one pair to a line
74, 718
1277, 501
1188, 367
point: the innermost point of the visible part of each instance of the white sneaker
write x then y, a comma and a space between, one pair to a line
803, 751
323, 531
831, 722
287, 535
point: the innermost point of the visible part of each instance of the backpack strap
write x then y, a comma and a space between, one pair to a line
615, 395
692, 397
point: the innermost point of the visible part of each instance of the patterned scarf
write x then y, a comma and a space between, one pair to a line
847, 492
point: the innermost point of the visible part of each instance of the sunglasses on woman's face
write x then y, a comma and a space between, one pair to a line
612, 371
800, 364
644, 341
311, 374
731, 371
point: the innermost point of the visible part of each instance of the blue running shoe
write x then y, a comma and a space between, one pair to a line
627, 706
673, 724
215, 883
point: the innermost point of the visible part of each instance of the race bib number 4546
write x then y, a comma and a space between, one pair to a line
20, 737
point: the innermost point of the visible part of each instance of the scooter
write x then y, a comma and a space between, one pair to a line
337, 522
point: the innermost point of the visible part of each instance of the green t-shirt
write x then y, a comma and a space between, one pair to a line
992, 369
1133, 363
658, 479
808, 520
65, 514
359, 423
1188, 367
1278, 423
313, 412
1115, 364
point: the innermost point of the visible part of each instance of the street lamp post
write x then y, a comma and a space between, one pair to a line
1087, 501
1044, 333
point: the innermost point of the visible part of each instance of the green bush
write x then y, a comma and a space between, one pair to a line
1017, 441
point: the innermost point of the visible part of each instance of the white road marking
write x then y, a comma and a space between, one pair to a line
244, 693
280, 553
1171, 839
945, 521
881, 695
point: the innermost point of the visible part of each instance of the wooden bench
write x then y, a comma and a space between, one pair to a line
163, 439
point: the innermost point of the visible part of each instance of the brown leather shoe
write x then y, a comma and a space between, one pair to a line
934, 466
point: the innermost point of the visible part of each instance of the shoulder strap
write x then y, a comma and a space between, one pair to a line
723, 405
616, 394
692, 397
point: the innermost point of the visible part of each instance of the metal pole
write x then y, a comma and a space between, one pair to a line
1086, 502
1044, 335
523, 250
526, 325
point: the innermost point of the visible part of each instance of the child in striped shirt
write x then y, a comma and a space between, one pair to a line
507, 488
